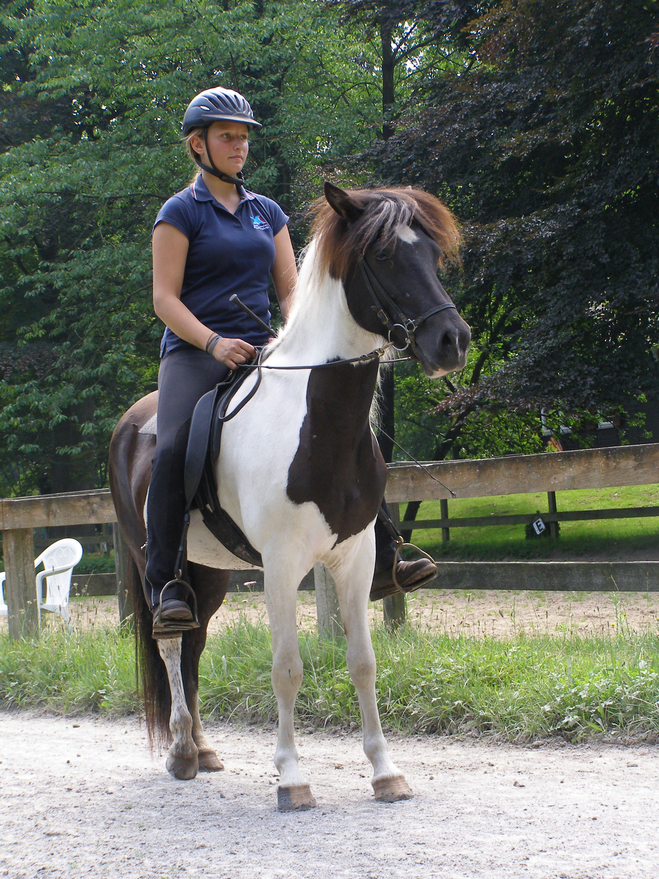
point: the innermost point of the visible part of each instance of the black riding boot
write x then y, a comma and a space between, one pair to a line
392, 574
185, 376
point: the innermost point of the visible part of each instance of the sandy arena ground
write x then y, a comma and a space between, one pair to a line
478, 613
83, 797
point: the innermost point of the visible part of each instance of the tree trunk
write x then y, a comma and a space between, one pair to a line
388, 88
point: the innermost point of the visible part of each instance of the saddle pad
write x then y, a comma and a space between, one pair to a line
151, 426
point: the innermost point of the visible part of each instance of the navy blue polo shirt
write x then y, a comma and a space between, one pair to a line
228, 253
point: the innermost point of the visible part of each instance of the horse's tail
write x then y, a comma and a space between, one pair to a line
129, 472
152, 681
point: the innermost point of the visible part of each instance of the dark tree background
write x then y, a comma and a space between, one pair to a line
546, 146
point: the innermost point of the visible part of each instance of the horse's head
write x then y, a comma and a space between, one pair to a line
385, 246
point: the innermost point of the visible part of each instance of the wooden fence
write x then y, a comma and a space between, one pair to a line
518, 474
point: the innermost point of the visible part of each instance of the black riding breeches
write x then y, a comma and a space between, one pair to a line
185, 376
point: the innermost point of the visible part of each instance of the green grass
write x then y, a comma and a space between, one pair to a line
521, 689
596, 539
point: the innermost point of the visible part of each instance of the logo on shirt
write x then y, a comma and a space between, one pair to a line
258, 222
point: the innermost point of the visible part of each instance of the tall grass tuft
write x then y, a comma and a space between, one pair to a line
69, 672
520, 689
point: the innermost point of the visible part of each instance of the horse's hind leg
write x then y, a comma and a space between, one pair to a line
207, 757
293, 792
182, 759
210, 586
353, 577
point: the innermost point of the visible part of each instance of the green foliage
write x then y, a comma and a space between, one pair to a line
96, 563
521, 689
536, 121
93, 97
544, 146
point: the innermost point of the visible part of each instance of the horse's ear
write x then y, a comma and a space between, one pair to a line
342, 203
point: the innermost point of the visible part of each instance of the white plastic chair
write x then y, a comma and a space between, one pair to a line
58, 560
4, 610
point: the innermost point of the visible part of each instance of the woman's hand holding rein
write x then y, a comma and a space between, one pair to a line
232, 352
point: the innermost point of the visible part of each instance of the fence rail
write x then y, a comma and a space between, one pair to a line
515, 474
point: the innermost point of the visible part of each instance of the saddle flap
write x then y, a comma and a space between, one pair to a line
201, 455
198, 439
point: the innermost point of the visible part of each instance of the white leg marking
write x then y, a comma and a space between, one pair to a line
352, 569
182, 757
281, 582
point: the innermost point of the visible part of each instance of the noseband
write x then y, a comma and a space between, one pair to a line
390, 314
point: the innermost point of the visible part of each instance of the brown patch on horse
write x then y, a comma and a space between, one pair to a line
131, 453
376, 215
338, 465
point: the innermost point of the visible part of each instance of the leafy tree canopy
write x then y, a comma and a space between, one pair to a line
545, 144
535, 120
92, 98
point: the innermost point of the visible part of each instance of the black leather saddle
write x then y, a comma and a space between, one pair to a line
200, 459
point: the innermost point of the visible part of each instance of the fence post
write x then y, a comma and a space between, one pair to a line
394, 606
553, 526
443, 512
20, 585
394, 611
121, 561
330, 624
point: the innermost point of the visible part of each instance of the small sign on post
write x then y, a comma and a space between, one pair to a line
539, 527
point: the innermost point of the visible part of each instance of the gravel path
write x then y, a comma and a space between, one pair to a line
82, 797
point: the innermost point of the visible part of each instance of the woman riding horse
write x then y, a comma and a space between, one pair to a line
214, 239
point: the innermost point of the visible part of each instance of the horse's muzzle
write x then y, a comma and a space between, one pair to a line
446, 351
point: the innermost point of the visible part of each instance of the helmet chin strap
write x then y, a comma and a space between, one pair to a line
238, 180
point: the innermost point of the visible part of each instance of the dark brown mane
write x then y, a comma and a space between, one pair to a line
340, 244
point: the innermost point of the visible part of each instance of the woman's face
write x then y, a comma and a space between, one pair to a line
227, 143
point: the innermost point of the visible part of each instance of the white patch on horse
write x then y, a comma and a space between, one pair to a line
151, 426
406, 233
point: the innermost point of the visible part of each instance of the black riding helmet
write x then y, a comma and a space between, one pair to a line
218, 105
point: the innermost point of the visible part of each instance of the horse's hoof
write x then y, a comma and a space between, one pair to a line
183, 768
209, 762
292, 799
392, 790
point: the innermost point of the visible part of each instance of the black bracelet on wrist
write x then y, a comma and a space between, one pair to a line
212, 342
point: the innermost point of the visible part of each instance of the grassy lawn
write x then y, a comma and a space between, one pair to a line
597, 539
523, 687
519, 689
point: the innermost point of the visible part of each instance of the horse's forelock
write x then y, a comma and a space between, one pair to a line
340, 244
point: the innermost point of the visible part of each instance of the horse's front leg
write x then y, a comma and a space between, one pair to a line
182, 759
353, 574
293, 791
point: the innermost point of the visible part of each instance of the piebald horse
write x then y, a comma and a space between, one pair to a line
299, 470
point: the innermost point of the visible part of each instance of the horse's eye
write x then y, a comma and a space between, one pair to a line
382, 257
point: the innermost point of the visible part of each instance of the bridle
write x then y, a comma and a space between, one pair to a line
390, 314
